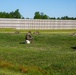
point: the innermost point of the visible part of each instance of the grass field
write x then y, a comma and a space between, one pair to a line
49, 54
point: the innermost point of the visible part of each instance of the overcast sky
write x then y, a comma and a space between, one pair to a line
52, 8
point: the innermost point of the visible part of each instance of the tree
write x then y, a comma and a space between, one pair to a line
53, 18
40, 16
58, 18
45, 17
37, 15
65, 18
15, 14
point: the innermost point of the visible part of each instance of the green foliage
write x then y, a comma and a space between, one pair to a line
49, 54
40, 16
12, 30
15, 14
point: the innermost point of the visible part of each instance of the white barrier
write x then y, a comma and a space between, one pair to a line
37, 24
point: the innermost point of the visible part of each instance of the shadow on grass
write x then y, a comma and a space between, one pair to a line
22, 42
74, 48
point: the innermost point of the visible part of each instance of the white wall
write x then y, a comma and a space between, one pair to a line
37, 24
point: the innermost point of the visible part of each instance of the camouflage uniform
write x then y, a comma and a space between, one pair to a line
29, 36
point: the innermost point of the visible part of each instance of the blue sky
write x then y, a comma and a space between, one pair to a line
52, 8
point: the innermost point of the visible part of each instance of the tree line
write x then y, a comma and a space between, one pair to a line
41, 15
37, 15
13, 14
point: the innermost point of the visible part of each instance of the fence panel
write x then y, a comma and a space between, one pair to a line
37, 24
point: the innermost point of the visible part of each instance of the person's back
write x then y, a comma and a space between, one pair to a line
28, 37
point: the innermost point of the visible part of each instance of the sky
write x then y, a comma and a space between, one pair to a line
52, 8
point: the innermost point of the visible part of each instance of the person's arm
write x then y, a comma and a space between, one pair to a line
30, 37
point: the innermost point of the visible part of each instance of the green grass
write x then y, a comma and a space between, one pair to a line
49, 54
12, 30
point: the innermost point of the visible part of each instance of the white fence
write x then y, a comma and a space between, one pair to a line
37, 24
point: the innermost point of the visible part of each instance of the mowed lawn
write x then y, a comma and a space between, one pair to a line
49, 54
